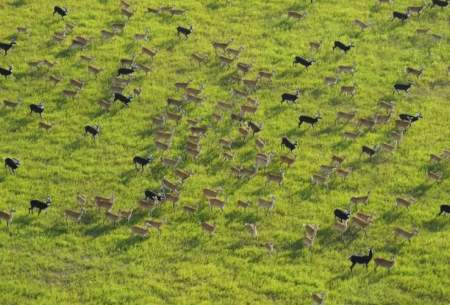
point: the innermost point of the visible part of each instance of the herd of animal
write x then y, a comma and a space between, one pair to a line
247, 128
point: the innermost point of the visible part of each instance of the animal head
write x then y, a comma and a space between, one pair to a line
419, 115
190, 28
49, 200
10, 68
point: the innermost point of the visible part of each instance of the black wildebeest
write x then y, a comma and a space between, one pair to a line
444, 209
254, 127
440, 3
409, 117
369, 151
361, 259
61, 11
12, 164
6, 46
303, 61
290, 97
126, 71
141, 161
185, 31
37, 108
288, 143
149, 194
342, 215
124, 99
39, 205
6, 72
342, 46
93, 130
401, 16
308, 120
402, 87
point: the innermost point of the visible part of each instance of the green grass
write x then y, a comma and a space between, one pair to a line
43, 260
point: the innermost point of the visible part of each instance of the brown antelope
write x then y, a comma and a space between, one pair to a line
404, 202
225, 143
360, 199
343, 173
435, 158
397, 136
193, 98
118, 27
216, 203
318, 298
389, 148
154, 224
326, 170
244, 131
126, 214
277, 178
81, 200
270, 247
87, 58
194, 153
250, 84
70, 93
263, 160
10, 104
139, 231
446, 154
248, 172
436, 176
162, 146
351, 135
106, 34
124, 3
315, 45
22, 29
74, 215
402, 125
361, 223
408, 235
234, 52
166, 184
104, 203
367, 122
77, 83
211, 193
243, 204
251, 227
348, 90
208, 228
224, 106
170, 162
126, 13
173, 197
44, 125
422, 31
311, 230
225, 61
178, 104
296, 15
161, 135
177, 11
144, 68
79, 42
105, 104
243, 67
141, 36
147, 204
266, 204
182, 174
194, 91
173, 116
319, 179
330, 81
94, 70
112, 217
384, 263
360, 24
336, 161
413, 71
7, 216
221, 45
227, 155
201, 130
182, 85
265, 75
189, 209
248, 109
341, 227
414, 9
345, 116
238, 93
288, 160
382, 119
346, 69
194, 139
150, 53
387, 105
199, 58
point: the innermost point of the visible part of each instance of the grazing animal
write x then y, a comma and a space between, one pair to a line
93, 130
149, 194
361, 259
141, 161
60, 11
7, 216
342, 215
39, 205
126, 71
308, 120
440, 3
290, 97
185, 31
37, 108
288, 143
414, 71
6, 72
254, 127
399, 232
303, 61
402, 16
251, 227
369, 151
342, 46
12, 164
402, 87
409, 117
388, 264
124, 99
6, 46
444, 209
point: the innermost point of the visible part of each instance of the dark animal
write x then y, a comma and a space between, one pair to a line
342, 46
185, 31
12, 164
126, 71
39, 205
402, 87
6, 46
60, 11
154, 195
369, 151
142, 161
255, 127
6, 72
409, 117
303, 61
124, 99
445, 209
402, 16
288, 143
342, 215
37, 108
290, 97
308, 120
439, 3
361, 259
93, 130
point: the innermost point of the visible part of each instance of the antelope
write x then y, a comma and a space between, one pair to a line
144, 68
154, 224
422, 31
175, 11
166, 184
326, 170
194, 91
251, 227
173, 197
22, 29
118, 27
162, 135
234, 52
360, 24
397, 136
194, 98
141, 36
224, 106
367, 122
221, 45
336, 161
348, 135
361, 259
387, 105
77, 83
436, 176
319, 180
7, 216
348, 90
250, 84
315, 45
225, 143
94, 70
382, 119
74, 215
216, 203
381, 262
343, 173
201, 130
266, 75
266, 204
208, 228
408, 235
104, 203
238, 93
330, 81
318, 298
346, 69
106, 34
341, 227
360, 199
194, 153
150, 53
345, 116
435, 158
70, 93
270, 247
44, 125
79, 42
126, 13
199, 58
112, 217
189, 209
263, 160
361, 223
244, 131
402, 125
170, 162
173, 116
413, 71
140, 231
86, 58
183, 175
285, 159
277, 178
296, 15
147, 204
225, 61
414, 9
311, 230
243, 204
10, 104
243, 67
105, 104
162, 146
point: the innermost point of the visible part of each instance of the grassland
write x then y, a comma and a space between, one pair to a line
45, 261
